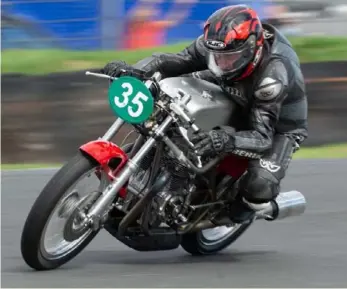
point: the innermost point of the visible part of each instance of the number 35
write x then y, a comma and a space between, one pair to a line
135, 101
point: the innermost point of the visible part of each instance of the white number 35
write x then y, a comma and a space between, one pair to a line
136, 101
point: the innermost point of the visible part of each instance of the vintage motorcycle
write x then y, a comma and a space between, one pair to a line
153, 193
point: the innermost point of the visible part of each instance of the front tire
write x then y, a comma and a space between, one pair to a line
33, 249
211, 241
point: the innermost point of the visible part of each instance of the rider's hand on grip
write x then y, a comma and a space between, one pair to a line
121, 68
213, 142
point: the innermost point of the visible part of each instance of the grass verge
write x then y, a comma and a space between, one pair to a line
338, 151
309, 49
29, 166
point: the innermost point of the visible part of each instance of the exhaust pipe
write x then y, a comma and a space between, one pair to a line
205, 224
286, 204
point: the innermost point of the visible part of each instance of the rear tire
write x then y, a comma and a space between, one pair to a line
32, 237
198, 243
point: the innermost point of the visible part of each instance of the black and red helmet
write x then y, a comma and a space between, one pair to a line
233, 39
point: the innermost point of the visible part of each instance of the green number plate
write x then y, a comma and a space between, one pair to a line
130, 99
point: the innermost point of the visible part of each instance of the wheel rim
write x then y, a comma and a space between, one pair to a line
52, 243
218, 234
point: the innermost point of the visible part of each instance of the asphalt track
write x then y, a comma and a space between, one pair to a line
306, 251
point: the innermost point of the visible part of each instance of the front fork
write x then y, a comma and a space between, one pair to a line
100, 207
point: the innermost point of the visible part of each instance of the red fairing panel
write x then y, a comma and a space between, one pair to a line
102, 151
233, 166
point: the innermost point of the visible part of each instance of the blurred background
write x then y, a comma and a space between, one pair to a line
49, 107
110, 24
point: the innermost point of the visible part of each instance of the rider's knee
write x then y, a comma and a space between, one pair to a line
259, 186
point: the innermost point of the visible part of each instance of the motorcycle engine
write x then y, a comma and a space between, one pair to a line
169, 202
168, 205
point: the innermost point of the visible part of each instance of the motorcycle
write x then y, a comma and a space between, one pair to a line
153, 193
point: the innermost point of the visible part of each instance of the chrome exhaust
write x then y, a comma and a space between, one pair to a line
286, 204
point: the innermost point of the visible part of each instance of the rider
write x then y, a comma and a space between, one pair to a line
258, 67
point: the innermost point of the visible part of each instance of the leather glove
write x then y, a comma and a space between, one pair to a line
212, 142
115, 69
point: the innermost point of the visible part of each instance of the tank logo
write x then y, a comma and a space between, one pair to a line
215, 44
206, 95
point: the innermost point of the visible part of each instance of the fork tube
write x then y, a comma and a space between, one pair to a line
113, 129
111, 191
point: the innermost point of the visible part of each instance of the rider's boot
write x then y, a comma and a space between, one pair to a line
241, 211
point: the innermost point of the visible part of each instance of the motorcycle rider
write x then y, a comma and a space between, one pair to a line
258, 67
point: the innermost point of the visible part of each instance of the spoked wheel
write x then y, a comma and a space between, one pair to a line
55, 230
211, 241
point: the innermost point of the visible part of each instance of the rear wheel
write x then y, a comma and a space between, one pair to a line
211, 241
44, 247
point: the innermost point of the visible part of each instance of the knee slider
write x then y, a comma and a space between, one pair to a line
259, 186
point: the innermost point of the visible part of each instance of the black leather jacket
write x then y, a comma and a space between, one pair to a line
273, 96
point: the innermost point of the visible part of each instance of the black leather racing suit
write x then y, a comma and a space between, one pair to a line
274, 100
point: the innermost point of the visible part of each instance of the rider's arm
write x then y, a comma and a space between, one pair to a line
269, 94
189, 60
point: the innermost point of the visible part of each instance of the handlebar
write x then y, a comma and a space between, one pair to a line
101, 75
151, 83
155, 77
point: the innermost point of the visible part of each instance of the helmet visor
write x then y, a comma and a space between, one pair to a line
222, 63
225, 62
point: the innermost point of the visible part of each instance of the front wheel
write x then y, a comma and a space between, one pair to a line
44, 247
211, 241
